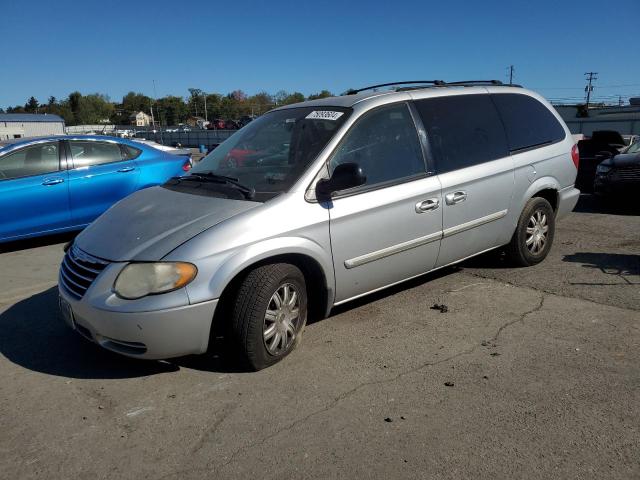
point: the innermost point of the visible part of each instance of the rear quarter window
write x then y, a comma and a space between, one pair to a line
527, 122
129, 152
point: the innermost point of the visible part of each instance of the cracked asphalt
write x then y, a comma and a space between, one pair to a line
531, 373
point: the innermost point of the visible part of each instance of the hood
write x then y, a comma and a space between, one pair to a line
625, 160
150, 223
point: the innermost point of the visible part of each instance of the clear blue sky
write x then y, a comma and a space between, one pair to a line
112, 47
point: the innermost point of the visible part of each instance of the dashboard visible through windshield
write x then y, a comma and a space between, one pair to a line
272, 152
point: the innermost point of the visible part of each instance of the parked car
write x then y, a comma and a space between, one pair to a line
619, 175
593, 150
377, 188
62, 183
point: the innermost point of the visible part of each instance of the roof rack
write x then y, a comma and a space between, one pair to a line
353, 91
471, 83
435, 83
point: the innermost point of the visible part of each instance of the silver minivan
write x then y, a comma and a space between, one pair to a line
315, 204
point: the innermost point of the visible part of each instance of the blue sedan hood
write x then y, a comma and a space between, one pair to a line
149, 224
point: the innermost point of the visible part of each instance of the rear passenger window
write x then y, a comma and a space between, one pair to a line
88, 153
463, 130
528, 122
384, 143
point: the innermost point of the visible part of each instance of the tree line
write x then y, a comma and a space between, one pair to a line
96, 108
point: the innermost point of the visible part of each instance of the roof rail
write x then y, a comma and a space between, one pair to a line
353, 91
435, 83
471, 83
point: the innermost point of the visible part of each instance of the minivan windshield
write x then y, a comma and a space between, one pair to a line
271, 153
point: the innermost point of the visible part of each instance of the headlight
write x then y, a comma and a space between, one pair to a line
138, 280
602, 169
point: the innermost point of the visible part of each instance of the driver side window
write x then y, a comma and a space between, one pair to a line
384, 143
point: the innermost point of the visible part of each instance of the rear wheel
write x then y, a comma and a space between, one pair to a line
534, 233
269, 314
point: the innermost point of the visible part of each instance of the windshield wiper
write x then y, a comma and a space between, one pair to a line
249, 193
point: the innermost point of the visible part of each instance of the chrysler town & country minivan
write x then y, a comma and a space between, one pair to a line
333, 199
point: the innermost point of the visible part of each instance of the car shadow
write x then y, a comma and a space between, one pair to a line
588, 203
43, 241
390, 291
621, 265
33, 336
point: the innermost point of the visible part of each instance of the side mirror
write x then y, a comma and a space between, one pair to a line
345, 175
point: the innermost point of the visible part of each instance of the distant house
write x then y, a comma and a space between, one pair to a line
193, 121
19, 125
140, 119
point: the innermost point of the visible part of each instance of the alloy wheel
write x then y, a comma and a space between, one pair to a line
281, 319
537, 231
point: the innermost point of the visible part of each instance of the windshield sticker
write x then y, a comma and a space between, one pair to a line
324, 115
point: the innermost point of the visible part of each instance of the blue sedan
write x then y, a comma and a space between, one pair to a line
57, 184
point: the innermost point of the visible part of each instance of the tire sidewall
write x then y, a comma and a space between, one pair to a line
261, 356
533, 206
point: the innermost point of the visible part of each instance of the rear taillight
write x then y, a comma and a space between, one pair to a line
575, 155
187, 165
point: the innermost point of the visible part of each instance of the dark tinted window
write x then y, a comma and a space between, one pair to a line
87, 153
463, 130
385, 145
34, 160
130, 152
527, 121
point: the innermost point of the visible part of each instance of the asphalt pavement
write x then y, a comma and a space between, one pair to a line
530, 373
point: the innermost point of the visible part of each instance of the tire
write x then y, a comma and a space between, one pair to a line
531, 243
264, 331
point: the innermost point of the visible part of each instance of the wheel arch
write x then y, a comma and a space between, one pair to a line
317, 270
545, 187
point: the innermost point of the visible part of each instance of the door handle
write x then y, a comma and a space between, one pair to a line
455, 197
52, 181
126, 169
427, 205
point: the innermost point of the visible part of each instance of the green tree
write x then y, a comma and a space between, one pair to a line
136, 102
32, 105
322, 94
172, 110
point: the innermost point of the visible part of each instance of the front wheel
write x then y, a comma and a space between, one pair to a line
269, 314
534, 233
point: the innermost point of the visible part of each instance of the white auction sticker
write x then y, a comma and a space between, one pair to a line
324, 115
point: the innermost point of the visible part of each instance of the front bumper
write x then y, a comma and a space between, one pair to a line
605, 185
167, 333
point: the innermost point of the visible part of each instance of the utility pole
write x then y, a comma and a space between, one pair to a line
155, 94
205, 106
591, 77
511, 74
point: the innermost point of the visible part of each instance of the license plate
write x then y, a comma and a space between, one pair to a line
66, 311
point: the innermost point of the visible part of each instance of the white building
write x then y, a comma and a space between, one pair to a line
19, 125
140, 119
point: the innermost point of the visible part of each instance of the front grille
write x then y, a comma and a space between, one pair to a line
628, 173
78, 271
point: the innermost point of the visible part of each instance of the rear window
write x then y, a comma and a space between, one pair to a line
528, 123
463, 130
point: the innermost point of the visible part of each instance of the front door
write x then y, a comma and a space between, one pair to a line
99, 178
388, 229
34, 191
